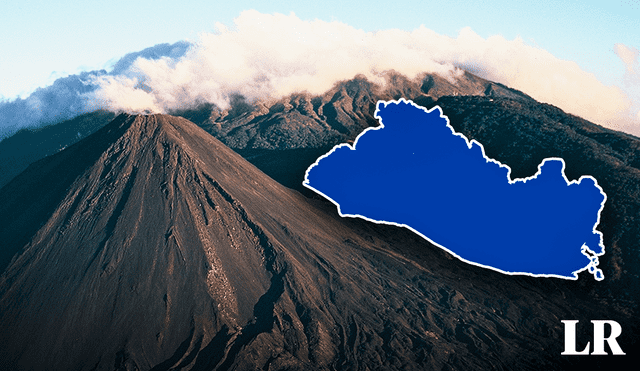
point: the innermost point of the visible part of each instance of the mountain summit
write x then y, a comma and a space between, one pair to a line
151, 245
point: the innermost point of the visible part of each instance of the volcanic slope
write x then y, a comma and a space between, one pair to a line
151, 245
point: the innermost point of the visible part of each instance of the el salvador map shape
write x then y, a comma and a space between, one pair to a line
415, 171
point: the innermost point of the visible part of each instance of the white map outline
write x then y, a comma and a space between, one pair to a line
585, 250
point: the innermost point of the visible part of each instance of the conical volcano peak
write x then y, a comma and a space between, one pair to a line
139, 129
161, 142
151, 225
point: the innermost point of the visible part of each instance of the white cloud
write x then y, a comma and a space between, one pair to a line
275, 55
265, 55
72, 95
531, 70
121, 92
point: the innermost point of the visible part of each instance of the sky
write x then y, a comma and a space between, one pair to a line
580, 56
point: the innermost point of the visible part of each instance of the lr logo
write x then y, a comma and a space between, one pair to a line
598, 338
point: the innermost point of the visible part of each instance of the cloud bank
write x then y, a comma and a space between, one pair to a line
73, 95
270, 56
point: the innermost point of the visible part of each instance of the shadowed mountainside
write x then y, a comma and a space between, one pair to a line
151, 245
29, 145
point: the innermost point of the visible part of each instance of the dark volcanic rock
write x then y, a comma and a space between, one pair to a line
151, 245
284, 137
337, 116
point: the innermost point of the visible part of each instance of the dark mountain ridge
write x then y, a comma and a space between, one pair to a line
339, 115
301, 122
151, 245
29, 145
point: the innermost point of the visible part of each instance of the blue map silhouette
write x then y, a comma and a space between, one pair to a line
415, 171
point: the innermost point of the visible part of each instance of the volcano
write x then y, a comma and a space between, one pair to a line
150, 245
